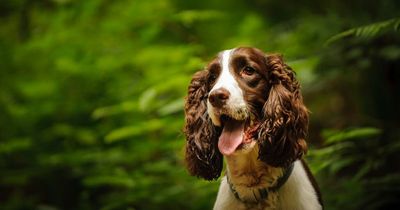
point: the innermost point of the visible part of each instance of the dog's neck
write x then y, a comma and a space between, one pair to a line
248, 175
246, 170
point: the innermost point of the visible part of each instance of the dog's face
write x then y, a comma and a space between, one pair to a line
238, 92
235, 76
243, 97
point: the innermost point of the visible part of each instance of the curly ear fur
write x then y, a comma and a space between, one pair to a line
202, 156
284, 128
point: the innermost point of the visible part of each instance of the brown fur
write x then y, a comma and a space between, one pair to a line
202, 155
274, 99
284, 128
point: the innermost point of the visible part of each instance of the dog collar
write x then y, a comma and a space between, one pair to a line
263, 192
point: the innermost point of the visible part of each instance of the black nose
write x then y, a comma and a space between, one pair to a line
218, 97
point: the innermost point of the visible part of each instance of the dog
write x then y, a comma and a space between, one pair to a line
247, 106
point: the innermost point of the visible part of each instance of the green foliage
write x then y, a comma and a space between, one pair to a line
353, 162
92, 92
367, 31
354, 159
333, 136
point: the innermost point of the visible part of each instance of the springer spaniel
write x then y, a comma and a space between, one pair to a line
247, 107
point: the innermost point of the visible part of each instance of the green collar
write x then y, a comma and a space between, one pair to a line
263, 192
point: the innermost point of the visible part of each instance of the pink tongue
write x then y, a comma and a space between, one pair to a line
231, 137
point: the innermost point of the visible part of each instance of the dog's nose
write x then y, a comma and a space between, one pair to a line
218, 97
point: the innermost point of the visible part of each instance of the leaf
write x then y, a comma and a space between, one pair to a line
357, 133
367, 30
15, 145
146, 99
129, 131
330, 150
172, 107
123, 107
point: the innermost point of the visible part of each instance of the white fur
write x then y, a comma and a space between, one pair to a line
235, 106
225, 198
296, 194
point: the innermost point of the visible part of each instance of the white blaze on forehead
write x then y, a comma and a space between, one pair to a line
225, 79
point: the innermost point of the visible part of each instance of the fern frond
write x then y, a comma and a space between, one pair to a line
367, 31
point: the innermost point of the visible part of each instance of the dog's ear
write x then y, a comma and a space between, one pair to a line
285, 122
202, 156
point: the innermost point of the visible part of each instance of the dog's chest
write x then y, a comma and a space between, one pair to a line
252, 191
269, 203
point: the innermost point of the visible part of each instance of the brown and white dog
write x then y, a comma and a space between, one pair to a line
246, 106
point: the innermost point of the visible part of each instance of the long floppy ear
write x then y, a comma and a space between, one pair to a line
202, 156
284, 128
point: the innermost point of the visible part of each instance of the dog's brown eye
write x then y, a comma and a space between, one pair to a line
248, 71
213, 77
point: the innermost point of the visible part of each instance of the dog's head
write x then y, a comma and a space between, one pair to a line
244, 97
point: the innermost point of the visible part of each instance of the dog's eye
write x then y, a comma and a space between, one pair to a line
248, 71
213, 76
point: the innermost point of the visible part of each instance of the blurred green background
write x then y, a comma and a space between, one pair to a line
91, 97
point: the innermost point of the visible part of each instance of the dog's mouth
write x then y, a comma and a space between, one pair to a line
234, 134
